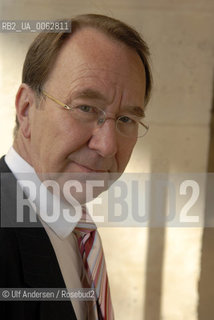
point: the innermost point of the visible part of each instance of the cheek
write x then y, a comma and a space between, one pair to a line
124, 154
57, 128
65, 137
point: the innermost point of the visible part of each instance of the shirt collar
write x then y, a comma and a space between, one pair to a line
22, 169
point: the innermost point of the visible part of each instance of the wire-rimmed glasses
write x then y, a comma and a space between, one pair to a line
127, 124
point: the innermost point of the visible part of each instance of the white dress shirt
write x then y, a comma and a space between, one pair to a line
60, 234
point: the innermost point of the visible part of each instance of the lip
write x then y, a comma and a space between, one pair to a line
87, 169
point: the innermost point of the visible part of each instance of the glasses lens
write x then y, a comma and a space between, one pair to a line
129, 127
142, 130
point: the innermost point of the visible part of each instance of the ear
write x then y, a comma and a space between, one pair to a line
25, 99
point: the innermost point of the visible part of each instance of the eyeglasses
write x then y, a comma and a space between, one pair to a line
127, 125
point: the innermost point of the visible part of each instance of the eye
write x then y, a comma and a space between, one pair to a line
126, 120
86, 109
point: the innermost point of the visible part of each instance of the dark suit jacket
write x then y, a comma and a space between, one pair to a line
27, 260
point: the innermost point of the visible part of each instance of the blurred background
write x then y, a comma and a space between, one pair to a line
155, 273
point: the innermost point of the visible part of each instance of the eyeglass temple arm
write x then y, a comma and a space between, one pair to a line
56, 100
144, 125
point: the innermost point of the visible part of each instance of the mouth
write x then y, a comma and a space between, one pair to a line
87, 169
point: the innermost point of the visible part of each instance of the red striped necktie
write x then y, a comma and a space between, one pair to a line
91, 250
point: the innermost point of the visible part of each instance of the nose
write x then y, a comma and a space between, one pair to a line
104, 139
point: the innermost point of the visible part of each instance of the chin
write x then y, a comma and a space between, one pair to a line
77, 193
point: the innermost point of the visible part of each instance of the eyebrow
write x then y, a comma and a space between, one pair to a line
90, 94
96, 95
137, 111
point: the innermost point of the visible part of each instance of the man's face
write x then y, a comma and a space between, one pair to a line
91, 69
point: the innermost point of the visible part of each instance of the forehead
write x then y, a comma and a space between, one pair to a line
89, 56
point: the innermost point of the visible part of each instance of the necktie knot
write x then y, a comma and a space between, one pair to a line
85, 226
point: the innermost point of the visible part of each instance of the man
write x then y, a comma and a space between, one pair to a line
79, 112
